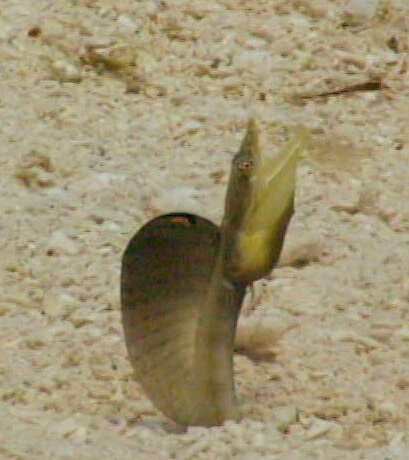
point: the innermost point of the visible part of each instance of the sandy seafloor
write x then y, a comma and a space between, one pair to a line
88, 154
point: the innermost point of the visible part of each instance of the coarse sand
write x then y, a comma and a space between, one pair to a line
112, 113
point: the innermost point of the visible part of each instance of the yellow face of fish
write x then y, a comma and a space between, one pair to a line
263, 188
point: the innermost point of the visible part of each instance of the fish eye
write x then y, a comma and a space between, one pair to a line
245, 165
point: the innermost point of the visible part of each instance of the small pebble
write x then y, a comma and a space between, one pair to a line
349, 336
284, 417
66, 71
389, 410
252, 61
57, 304
261, 332
127, 23
363, 9
319, 428
403, 333
60, 243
